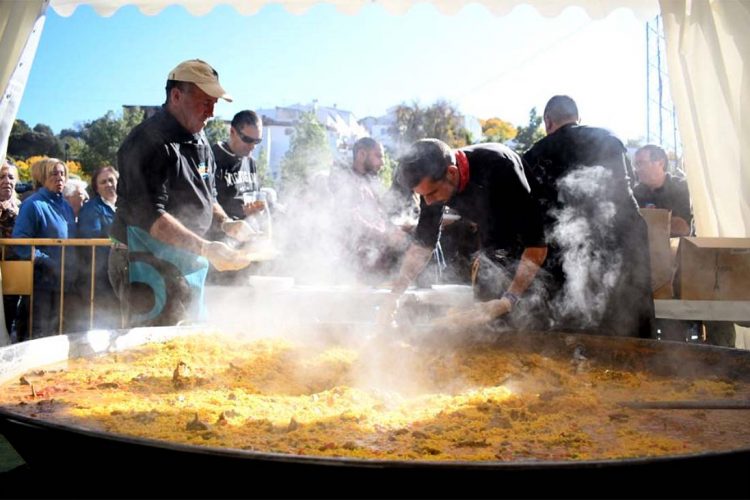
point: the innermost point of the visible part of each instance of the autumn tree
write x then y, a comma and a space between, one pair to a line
497, 130
529, 134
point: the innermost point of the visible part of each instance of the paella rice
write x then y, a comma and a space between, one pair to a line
401, 402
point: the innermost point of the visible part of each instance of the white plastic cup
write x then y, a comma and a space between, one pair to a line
248, 198
254, 196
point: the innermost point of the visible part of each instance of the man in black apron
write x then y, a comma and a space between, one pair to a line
166, 203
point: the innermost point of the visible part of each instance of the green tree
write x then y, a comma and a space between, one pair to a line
20, 127
216, 131
386, 171
69, 132
308, 152
264, 174
497, 130
25, 142
41, 128
529, 134
103, 137
74, 146
440, 120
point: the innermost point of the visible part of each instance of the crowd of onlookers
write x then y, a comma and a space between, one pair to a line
59, 206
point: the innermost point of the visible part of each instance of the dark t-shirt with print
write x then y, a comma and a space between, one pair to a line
235, 176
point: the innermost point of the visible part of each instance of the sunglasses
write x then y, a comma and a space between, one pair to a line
248, 140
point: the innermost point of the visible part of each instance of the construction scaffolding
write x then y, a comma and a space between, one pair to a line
661, 117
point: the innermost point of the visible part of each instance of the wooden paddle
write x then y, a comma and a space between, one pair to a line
708, 404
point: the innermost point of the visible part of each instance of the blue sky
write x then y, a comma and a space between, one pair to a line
487, 66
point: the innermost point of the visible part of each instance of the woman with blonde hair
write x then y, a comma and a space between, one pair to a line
36, 179
46, 214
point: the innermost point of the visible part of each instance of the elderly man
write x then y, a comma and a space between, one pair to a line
166, 202
599, 261
657, 188
485, 184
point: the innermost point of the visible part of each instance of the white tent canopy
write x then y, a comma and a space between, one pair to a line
596, 9
707, 43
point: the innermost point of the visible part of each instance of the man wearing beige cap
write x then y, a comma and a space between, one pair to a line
166, 204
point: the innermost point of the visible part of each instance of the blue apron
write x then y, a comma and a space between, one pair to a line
166, 282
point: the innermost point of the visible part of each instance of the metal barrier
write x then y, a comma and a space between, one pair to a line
18, 275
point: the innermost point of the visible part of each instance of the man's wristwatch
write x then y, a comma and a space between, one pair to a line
512, 298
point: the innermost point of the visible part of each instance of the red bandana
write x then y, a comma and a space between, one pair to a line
463, 170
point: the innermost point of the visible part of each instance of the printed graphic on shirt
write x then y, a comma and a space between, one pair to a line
243, 180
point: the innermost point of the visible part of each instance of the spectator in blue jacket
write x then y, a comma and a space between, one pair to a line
46, 214
94, 220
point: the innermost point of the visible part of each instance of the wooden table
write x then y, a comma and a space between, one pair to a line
709, 310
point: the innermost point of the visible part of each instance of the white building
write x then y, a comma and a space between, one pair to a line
342, 130
379, 128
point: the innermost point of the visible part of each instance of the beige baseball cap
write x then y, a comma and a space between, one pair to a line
203, 75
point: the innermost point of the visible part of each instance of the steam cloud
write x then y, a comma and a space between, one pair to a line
585, 236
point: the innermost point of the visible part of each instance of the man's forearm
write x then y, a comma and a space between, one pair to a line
531, 260
219, 215
415, 260
169, 230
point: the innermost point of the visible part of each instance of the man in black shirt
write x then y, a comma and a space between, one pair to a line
485, 184
236, 172
598, 266
657, 188
166, 203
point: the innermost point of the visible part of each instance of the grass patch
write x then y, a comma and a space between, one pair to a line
9, 459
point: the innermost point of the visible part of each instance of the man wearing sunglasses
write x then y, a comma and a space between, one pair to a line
236, 172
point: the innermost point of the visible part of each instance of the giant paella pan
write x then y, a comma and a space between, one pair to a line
313, 409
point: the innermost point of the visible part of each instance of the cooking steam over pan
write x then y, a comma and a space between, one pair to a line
70, 460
